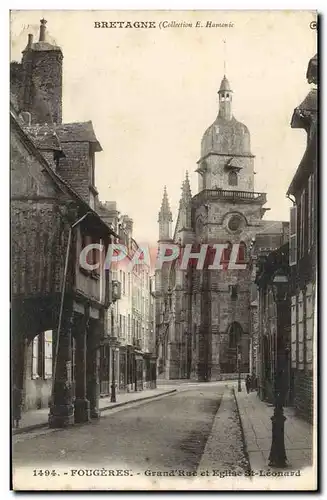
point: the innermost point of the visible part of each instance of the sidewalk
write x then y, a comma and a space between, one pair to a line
224, 447
255, 416
35, 419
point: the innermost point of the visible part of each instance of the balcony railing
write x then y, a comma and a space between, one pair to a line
229, 195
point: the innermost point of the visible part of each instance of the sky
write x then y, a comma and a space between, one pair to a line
151, 94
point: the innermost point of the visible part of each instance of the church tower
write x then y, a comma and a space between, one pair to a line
226, 210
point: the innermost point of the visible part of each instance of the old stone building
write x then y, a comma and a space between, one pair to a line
203, 317
288, 328
304, 251
58, 305
130, 317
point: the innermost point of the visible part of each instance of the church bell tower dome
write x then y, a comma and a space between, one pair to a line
226, 136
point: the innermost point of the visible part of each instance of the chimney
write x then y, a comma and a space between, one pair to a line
129, 224
42, 30
30, 41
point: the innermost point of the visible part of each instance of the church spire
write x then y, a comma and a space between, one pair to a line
165, 218
225, 99
186, 190
185, 204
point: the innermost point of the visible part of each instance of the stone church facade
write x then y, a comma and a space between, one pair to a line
203, 316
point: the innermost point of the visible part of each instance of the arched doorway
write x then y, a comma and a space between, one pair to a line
234, 337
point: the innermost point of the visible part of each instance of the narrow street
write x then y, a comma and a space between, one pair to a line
161, 434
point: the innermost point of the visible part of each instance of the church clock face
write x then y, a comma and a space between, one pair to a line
235, 223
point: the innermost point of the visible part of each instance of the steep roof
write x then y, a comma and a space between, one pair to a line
78, 132
43, 46
225, 85
57, 179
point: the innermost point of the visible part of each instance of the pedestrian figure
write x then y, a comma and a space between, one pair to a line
248, 383
17, 406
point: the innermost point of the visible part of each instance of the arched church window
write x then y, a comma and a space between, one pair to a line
227, 252
235, 334
241, 252
232, 178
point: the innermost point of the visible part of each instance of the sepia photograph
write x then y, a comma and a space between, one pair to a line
163, 239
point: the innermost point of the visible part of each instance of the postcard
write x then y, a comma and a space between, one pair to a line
163, 250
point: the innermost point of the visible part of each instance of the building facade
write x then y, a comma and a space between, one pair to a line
129, 323
58, 305
203, 316
303, 252
294, 319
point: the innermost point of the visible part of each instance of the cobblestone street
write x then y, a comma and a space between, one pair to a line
167, 434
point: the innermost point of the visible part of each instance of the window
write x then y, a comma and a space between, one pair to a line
300, 331
42, 356
235, 333
94, 255
241, 253
233, 292
234, 223
48, 354
129, 327
313, 201
293, 332
35, 357
232, 178
227, 252
302, 224
309, 210
309, 327
293, 236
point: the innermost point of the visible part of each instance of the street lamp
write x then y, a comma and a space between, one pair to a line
277, 456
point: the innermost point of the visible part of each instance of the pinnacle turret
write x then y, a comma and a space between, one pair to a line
165, 212
186, 192
165, 218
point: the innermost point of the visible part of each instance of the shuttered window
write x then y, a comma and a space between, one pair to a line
48, 354
293, 332
301, 330
35, 357
309, 212
293, 236
302, 225
312, 208
309, 327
